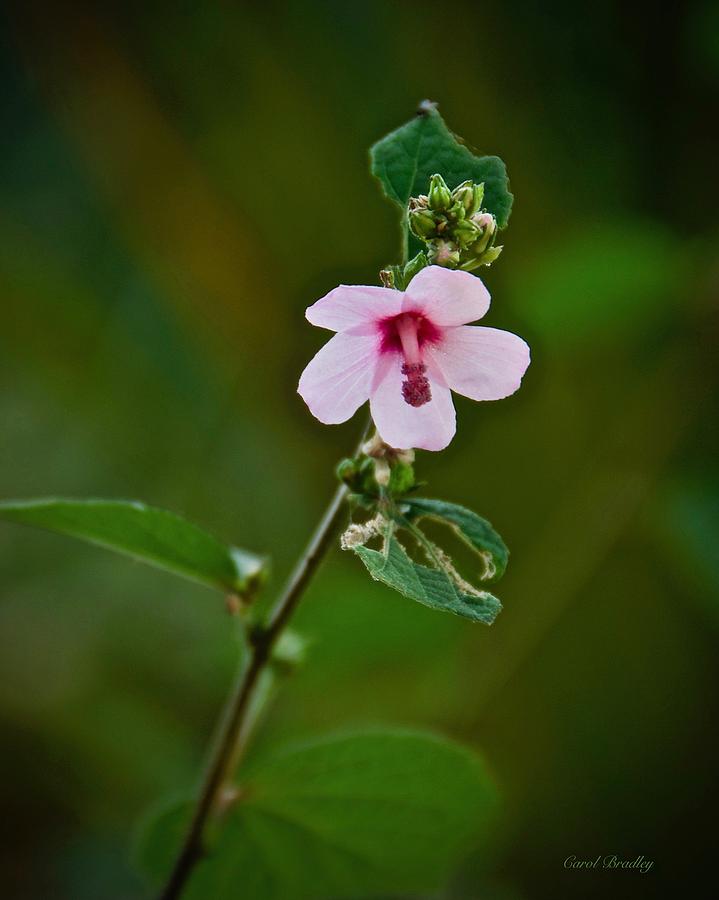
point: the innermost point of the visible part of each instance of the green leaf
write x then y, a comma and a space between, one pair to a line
153, 536
438, 587
159, 836
405, 160
345, 816
475, 531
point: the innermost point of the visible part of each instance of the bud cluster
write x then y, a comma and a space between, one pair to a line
459, 234
378, 470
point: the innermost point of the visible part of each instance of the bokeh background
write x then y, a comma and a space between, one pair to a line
177, 183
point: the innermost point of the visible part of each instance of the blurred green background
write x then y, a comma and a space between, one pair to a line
177, 184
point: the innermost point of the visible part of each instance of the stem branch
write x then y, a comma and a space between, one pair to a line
233, 730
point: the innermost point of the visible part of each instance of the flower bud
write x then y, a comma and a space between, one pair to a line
465, 233
366, 477
489, 255
486, 258
456, 212
444, 253
401, 479
288, 653
422, 223
485, 221
464, 195
439, 195
346, 471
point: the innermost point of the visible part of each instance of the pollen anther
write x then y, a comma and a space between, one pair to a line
415, 388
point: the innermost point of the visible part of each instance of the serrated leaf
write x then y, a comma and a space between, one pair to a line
472, 529
432, 587
342, 817
154, 536
405, 160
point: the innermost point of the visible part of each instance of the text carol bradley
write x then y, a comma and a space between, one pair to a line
610, 861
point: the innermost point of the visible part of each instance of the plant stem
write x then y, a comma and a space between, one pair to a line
405, 240
233, 731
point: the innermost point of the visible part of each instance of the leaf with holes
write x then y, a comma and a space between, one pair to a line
437, 585
476, 532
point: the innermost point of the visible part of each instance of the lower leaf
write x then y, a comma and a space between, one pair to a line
345, 816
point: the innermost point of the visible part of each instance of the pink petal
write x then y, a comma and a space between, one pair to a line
481, 363
336, 382
447, 296
427, 427
352, 306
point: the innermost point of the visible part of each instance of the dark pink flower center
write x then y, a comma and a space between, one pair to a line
408, 334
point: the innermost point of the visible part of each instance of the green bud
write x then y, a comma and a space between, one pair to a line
489, 255
422, 223
464, 195
465, 233
366, 477
456, 212
289, 652
484, 259
346, 470
486, 226
439, 195
468, 196
401, 478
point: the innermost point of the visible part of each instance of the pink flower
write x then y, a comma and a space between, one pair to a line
405, 352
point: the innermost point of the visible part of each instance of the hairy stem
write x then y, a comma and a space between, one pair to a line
234, 729
405, 240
